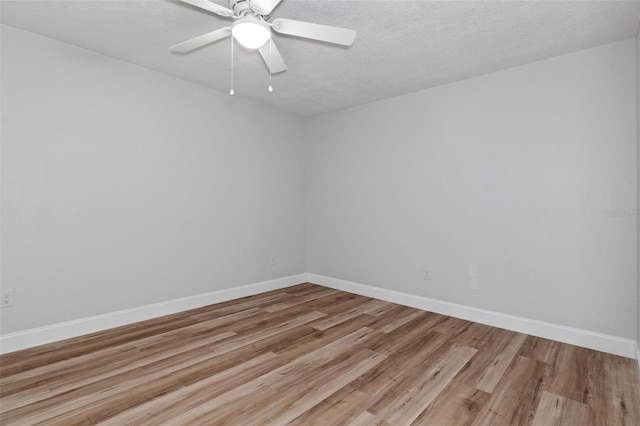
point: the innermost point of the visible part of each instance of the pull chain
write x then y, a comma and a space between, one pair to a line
270, 73
231, 92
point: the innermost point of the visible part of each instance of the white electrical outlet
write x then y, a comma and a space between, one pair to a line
426, 274
473, 276
6, 298
272, 259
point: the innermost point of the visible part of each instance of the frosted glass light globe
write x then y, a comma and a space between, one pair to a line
251, 32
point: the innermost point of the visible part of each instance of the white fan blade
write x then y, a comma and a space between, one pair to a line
314, 31
264, 7
272, 57
210, 6
204, 39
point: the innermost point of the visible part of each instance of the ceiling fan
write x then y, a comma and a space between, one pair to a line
252, 30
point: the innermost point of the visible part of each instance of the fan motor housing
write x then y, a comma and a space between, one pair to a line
240, 7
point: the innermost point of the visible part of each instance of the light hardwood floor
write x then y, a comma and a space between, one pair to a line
312, 355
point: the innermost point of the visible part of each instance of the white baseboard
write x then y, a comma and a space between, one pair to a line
39, 336
638, 358
574, 336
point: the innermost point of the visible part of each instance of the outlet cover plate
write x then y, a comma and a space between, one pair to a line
6, 298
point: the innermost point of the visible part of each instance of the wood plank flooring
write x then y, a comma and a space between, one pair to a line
309, 355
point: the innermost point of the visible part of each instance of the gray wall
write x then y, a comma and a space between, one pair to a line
638, 184
517, 171
123, 187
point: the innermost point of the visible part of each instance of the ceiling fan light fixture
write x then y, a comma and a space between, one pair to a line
251, 32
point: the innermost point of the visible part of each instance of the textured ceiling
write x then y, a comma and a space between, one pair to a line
402, 46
